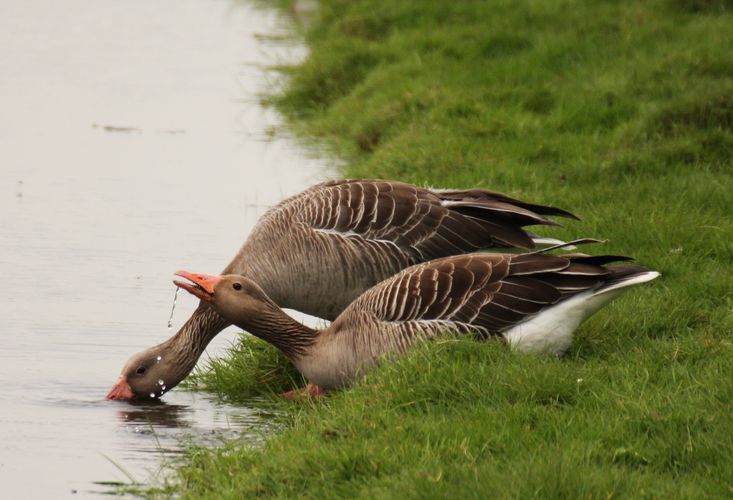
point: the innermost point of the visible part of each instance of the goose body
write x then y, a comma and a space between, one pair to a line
320, 249
533, 301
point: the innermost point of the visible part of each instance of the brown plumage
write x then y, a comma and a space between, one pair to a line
317, 251
320, 249
533, 301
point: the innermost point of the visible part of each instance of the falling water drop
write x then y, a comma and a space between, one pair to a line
158, 358
162, 388
170, 320
160, 381
152, 395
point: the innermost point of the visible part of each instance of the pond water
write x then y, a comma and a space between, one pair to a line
131, 145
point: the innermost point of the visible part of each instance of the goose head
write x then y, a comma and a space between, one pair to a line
153, 372
236, 298
147, 375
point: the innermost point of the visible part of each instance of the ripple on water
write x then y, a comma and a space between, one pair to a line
112, 228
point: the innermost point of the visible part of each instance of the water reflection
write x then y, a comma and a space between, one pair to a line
101, 146
158, 413
195, 417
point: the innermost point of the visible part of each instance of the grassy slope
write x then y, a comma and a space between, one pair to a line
619, 111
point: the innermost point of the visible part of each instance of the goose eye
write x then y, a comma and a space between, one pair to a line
140, 370
237, 286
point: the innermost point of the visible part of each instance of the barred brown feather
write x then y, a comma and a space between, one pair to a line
318, 250
489, 294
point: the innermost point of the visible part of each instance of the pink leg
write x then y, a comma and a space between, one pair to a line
309, 391
315, 391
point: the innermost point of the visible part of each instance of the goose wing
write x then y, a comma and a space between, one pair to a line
423, 223
488, 293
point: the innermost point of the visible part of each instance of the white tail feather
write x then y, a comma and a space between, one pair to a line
551, 331
634, 280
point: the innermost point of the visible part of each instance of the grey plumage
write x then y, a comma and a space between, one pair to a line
320, 249
489, 294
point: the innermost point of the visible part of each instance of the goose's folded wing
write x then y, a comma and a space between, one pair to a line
427, 224
488, 293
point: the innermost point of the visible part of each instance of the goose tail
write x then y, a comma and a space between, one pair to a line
551, 330
625, 276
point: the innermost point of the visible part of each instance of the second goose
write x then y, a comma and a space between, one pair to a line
533, 301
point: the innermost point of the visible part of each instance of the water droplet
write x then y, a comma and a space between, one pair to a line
152, 395
159, 358
160, 381
163, 388
170, 320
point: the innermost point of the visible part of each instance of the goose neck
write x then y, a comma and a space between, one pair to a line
273, 325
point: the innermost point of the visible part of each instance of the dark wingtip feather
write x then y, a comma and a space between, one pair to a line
549, 210
564, 213
531, 263
485, 194
598, 260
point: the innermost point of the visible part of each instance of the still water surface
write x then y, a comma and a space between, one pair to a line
131, 145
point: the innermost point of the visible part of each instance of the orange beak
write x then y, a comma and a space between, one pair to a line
121, 391
203, 284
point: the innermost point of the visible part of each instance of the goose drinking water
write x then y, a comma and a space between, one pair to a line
320, 249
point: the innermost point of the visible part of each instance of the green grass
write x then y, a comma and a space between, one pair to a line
252, 370
619, 111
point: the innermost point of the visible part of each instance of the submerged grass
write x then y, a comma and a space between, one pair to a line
253, 369
619, 111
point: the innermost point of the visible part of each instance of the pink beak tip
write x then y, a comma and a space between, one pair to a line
121, 390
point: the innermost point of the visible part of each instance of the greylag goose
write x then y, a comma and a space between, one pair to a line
320, 249
533, 301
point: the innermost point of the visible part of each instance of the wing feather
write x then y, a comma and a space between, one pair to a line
489, 293
424, 224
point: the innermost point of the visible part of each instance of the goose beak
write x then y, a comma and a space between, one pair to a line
121, 391
202, 285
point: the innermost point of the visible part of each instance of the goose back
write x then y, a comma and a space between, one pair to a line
319, 250
487, 294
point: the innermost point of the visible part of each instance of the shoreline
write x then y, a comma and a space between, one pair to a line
620, 113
